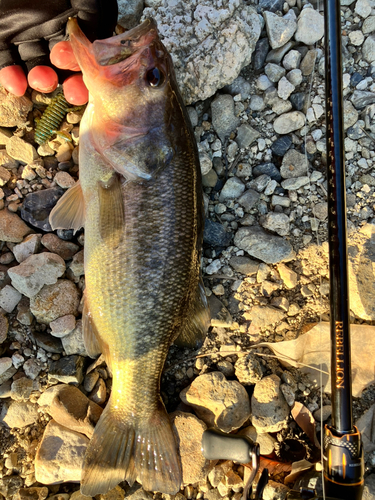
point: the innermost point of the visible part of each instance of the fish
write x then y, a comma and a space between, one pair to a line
139, 199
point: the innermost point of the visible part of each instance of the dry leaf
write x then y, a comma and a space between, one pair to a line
311, 352
306, 421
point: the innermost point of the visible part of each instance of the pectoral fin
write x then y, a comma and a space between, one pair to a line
112, 214
69, 211
195, 329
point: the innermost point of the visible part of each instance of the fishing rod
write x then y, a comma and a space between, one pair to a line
343, 461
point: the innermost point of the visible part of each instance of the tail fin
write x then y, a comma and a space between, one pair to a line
132, 449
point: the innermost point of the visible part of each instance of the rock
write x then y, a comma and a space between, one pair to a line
218, 401
9, 298
294, 164
249, 199
71, 408
350, 115
248, 369
33, 493
368, 25
295, 77
32, 368
68, 369
35, 272
19, 414
276, 55
244, 265
12, 228
99, 392
289, 277
22, 388
232, 189
5, 176
224, 120
295, 183
239, 86
13, 109
188, 430
263, 316
60, 455
62, 326
298, 100
4, 325
205, 163
54, 301
361, 98
308, 62
246, 135
260, 53
265, 441
214, 267
65, 249
21, 150
277, 222
363, 8
275, 491
279, 148
210, 179
291, 60
77, 265
220, 316
320, 211
48, 342
274, 72
268, 169
263, 246
215, 234
288, 122
269, 408
29, 246
37, 207
323, 414
285, 88
310, 27
73, 342
369, 489
209, 44
279, 29
270, 5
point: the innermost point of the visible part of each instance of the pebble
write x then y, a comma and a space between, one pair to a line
279, 148
275, 491
218, 401
54, 301
260, 53
90, 381
99, 393
289, 277
205, 163
279, 29
32, 368
276, 55
12, 228
189, 430
294, 164
288, 394
310, 27
289, 122
285, 88
244, 265
65, 249
356, 38
62, 326
37, 207
295, 183
29, 246
249, 199
363, 8
19, 414
269, 408
270, 5
214, 267
13, 109
263, 316
298, 100
263, 246
33, 493
265, 441
323, 414
4, 326
77, 265
215, 234
21, 150
246, 135
368, 25
295, 77
9, 298
60, 455
224, 120
5, 176
308, 62
276, 222
48, 342
22, 388
68, 369
282, 201
292, 60
69, 407
274, 72
35, 272
248, 369
232, 189
362, 98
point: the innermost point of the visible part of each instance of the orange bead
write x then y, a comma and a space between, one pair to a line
75, 90
43, 78
62, 56
14, 80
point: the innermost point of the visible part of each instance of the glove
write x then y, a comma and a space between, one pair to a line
29, 31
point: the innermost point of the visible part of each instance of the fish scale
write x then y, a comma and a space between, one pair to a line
140, 200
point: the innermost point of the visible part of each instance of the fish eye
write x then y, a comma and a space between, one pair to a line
155, 77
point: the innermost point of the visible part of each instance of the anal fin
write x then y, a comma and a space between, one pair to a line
195, 328
90, 333
69, 211
112, 214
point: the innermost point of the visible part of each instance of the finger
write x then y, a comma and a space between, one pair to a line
62, 56
43, 78
14, 80
75, 90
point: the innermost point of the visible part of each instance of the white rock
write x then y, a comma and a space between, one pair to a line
289, 122
363, 8
29, 246
232, 189
292, 60
63, 326
279, 29
214, 267
310, 27
356, 38
9, 298
35, 272
295, 77
285, 88
368, 49
19, 414
263, 82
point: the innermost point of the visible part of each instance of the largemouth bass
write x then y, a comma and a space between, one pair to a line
139, 199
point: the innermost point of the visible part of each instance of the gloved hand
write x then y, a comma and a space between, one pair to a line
31, 30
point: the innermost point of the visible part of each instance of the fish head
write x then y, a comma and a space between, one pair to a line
129, 76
